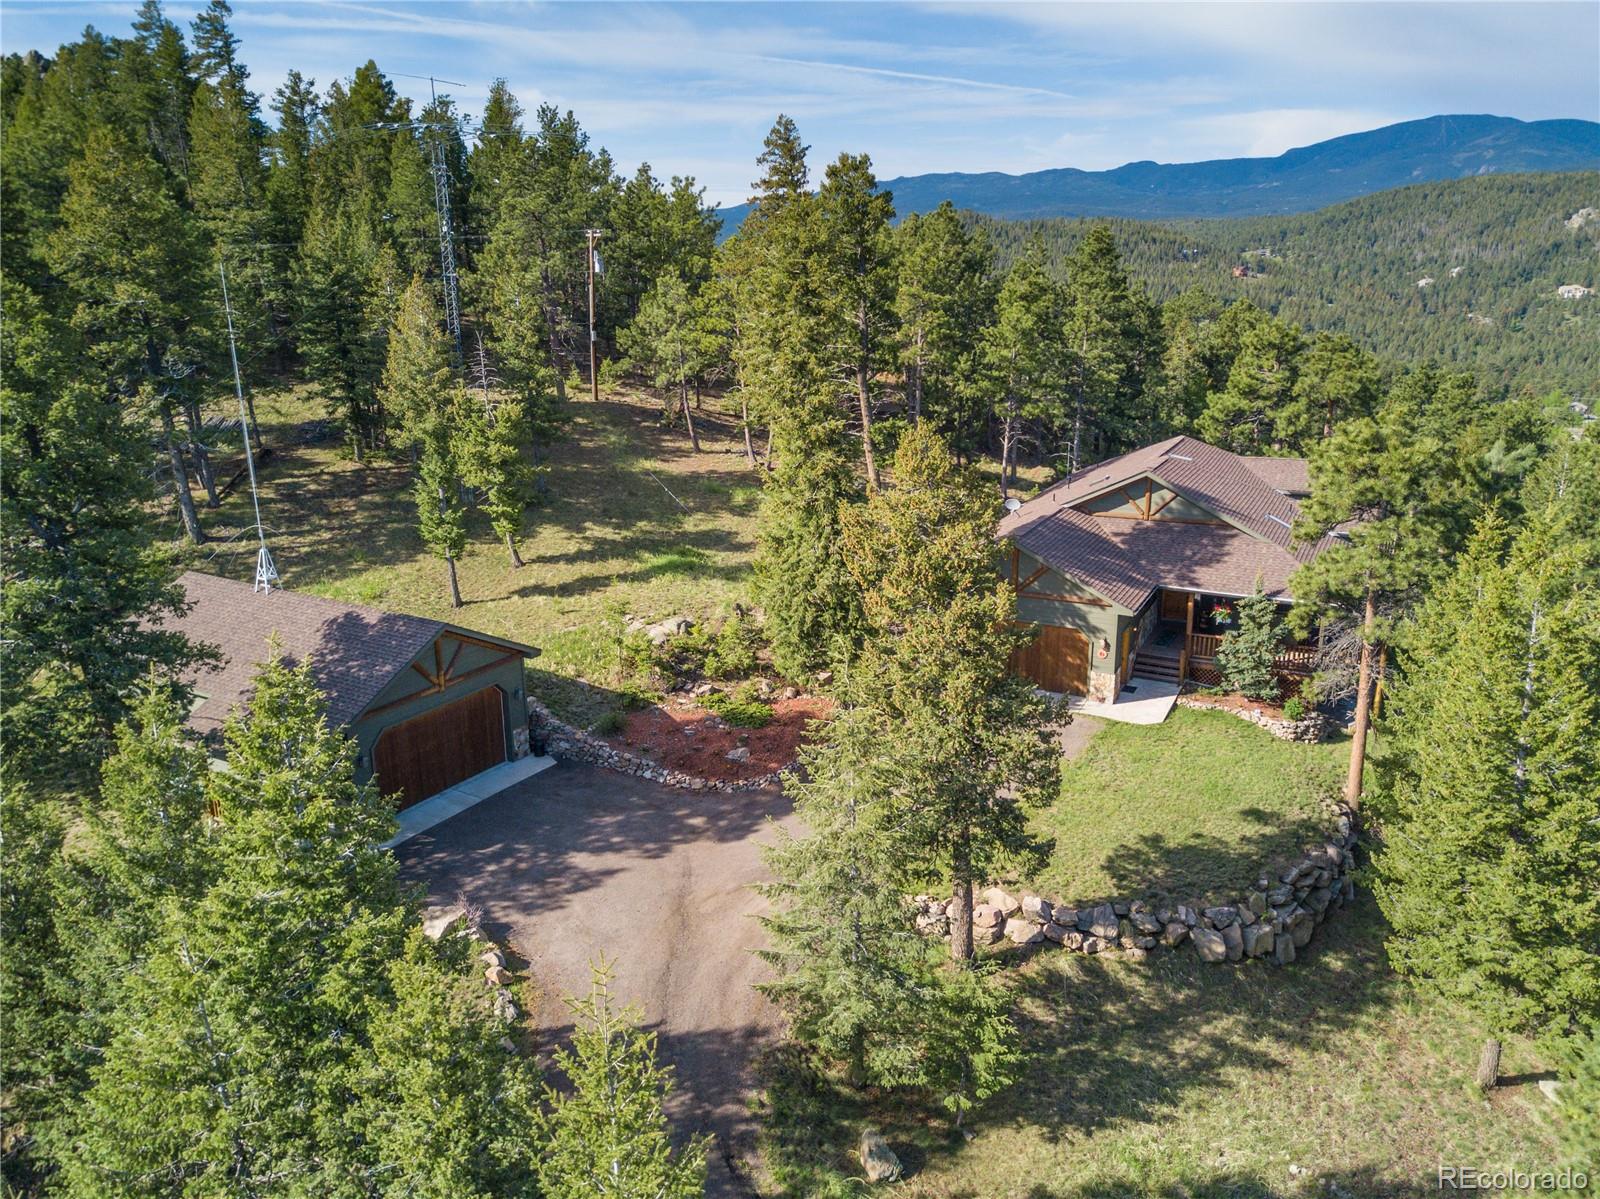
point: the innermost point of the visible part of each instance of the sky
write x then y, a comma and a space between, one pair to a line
692, 88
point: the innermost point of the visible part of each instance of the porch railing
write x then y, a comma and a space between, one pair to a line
1296, 659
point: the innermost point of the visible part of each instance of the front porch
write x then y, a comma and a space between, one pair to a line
1182, 642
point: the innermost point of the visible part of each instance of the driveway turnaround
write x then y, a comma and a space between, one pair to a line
578, 862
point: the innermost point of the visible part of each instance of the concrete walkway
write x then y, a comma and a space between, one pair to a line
436, 809
1141, 701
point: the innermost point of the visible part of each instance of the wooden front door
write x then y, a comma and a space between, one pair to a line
1057, 660
1175, 606
424, 755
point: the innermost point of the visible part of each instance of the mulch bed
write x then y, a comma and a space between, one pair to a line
683, 736
1238, 703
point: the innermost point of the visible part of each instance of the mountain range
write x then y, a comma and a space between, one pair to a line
1300, 180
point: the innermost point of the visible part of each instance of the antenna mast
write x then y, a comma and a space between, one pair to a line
266, 572
441, 204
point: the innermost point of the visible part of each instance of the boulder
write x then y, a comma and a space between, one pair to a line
1066, 917
498, 976
492, 957
1145, 923
1103, 922
1008, 904
1137, 953
1257, 904
986, 915
1279, 896
1246, 917
1222, 916
438, 922
505, 1007
1233, 938
1175, 932
1057, 933
1258, 940
988, 935
877, 1159
1035, 908
1095, 944
1144, 942
1210, 945
1319, 900
739, 753
664, 630
1122, 907
1301, 933
1073, 940
1023, 932
1187, 915
1085, 919
1283, 950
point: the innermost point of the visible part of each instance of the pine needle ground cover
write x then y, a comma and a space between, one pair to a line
1189, 809
611, 538
1175, 1078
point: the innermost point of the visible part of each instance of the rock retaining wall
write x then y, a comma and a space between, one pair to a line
1274, 921
1313, 727
563, 740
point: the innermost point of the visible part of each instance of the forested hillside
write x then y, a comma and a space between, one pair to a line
1495, 249
1298, 180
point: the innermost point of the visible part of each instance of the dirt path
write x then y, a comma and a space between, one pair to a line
578, 862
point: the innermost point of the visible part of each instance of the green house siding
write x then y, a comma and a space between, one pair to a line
409, 694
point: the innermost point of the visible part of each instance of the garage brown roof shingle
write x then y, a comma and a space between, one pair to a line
354, 651
1126, 561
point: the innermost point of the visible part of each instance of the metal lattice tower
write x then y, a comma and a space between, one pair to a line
447, 243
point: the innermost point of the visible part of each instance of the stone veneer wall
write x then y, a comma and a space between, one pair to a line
563, 740
1313, 727
1275, 920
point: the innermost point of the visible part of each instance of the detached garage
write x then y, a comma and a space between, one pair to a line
429, 704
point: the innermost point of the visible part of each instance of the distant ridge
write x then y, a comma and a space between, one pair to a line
1343, 168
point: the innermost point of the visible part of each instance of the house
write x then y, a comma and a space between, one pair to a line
1136, 564
429, 704
1574, 291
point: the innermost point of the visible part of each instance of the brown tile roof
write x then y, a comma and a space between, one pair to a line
354, 651
1126, 560
1282, 474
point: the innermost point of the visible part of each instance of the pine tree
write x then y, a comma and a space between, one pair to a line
857, 285
1337, 380
1395, 498
492, 163
216, 50
1104, 328
663, 343
88, 584
336, 332
289, 182
971, 736
608, 1136
1246, 654
1489, 795
236, 1047
1255, 412
132, 265
1022, 357
944, 298
500, 440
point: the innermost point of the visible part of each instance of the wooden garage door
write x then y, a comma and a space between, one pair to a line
1057, 660
424, 755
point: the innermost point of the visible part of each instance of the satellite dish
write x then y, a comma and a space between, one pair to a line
1012, 503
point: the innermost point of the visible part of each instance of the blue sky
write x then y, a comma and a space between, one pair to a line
930, 87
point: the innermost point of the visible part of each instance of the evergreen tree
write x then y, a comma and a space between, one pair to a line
1022, 357
857, 285
1246, 654
1104, 328
944, 298
336, 331
159, 62
500, 438
88, 586
663, 342
1256, 412
970, 735
1394, 497
493, 161
1189, 368
608, 1134
637, 246
132, 266
1489, 796
216, 50
1337, 380
289, 179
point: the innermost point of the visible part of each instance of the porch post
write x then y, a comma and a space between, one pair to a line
1188, 635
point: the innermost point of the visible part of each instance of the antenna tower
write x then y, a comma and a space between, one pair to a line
266, 571
441, 204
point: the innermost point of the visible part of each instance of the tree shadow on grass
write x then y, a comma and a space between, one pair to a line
1359, 1183
1109, 1045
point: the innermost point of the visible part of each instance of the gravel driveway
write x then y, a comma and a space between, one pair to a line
576, 862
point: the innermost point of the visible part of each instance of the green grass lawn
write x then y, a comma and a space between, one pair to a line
1184, 810
1183, 1080
636, 522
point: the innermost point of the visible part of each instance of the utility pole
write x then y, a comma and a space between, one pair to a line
593, 236
266, 571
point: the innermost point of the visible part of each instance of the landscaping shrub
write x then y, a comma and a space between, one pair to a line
734, 653
740, 708
1294, 708
611, 721
1245, 655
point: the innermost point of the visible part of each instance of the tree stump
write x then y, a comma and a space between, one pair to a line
1489, 1065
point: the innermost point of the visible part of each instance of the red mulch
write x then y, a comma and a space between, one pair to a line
1239, 703
681, 735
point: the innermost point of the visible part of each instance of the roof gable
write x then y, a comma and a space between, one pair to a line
355, 652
